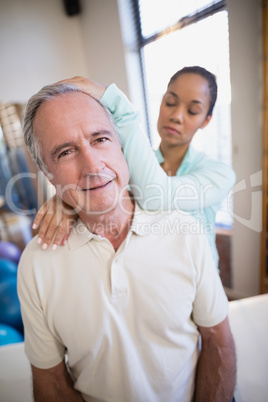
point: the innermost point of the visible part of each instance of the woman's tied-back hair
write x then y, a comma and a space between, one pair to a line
47, 93
209, 77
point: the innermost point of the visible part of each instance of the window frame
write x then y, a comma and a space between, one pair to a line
142, 41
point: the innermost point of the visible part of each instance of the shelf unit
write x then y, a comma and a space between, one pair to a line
264, 240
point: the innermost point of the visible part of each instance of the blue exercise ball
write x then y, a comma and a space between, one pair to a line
9, 251
10, 313
9, 335
8, 269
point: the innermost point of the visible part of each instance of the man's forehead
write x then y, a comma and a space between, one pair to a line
72, 113
67, 107
75, 98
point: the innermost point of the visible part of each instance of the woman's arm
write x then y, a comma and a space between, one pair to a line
151, 186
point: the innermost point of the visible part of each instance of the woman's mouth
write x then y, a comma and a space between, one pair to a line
172, 130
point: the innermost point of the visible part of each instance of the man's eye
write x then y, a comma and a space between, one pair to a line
101, 139
64, 153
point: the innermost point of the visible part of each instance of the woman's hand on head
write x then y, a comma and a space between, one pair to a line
56, 220
92, 88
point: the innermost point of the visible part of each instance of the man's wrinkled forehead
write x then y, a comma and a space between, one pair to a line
71, 97
67, 105
72, 110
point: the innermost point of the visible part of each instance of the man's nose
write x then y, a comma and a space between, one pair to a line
90, 161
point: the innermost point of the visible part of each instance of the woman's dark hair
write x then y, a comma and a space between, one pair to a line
211, 80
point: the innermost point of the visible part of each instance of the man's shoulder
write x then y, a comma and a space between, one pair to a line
32, 246
32, 252
168, 221
78, 236
181, 236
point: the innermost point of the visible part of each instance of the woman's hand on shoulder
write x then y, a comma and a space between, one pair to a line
55, 220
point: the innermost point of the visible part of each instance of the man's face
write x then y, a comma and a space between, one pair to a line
82, 153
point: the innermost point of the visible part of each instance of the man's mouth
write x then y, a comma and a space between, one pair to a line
99, 186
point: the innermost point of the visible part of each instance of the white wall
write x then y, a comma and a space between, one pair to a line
246, 109
39, 44
103, 42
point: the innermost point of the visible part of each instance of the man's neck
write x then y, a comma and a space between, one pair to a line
113, 225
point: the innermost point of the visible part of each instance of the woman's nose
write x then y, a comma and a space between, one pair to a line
177, 115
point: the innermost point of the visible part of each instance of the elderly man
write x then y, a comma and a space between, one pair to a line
117, 314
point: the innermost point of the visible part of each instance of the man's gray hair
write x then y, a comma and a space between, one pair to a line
47, 93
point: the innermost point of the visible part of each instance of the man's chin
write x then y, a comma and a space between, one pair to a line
91, 203
94, 210
90, 207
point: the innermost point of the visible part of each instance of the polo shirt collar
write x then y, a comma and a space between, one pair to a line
141, 225
79, 236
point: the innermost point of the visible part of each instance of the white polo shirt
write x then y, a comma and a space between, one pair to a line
126, 319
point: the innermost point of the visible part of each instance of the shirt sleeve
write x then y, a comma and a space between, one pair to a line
211, 305
152, 188
42, 348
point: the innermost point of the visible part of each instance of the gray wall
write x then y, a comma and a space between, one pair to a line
246, 109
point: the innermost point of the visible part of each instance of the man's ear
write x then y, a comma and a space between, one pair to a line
208, 118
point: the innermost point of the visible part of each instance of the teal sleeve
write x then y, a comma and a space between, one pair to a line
150, 185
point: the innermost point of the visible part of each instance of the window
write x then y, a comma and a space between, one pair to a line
171, 34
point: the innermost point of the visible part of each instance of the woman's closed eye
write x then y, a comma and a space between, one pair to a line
170, 104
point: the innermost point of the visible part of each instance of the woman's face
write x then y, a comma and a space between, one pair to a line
184, 109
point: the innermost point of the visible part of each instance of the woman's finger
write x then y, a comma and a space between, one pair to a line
40, 215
